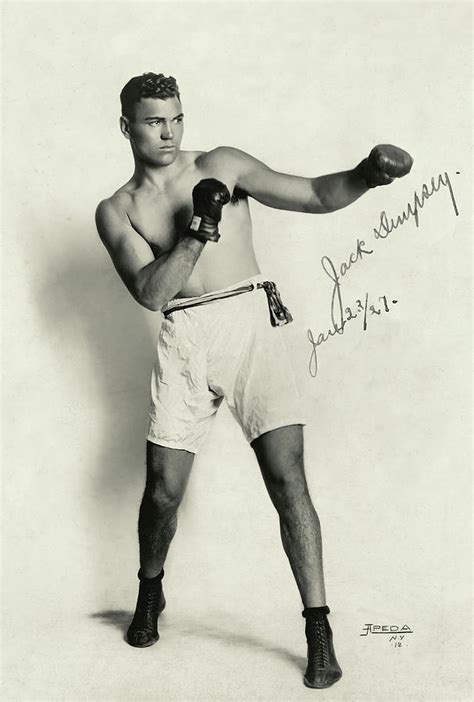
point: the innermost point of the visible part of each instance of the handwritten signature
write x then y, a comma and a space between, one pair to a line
341, 315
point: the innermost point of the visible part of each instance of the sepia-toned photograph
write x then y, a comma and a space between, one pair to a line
237, 361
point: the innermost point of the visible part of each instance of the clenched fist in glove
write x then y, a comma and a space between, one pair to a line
209, 197
384, 164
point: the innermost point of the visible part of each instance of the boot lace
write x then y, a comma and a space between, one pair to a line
318, 640
149, 602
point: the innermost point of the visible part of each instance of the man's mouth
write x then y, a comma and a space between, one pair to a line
170, 147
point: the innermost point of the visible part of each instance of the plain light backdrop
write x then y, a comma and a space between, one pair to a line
309, 88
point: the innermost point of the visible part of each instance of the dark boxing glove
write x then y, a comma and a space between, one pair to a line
384, 164
209, 197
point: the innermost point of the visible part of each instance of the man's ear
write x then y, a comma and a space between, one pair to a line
124, 128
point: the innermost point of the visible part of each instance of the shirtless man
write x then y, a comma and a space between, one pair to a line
177, 231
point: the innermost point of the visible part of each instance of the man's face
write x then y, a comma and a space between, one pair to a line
156, 130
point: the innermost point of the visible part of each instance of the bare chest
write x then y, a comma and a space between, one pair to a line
160, 217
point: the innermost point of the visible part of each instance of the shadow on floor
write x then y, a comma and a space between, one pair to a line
120, 619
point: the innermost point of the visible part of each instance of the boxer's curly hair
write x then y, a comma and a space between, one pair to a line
154, 85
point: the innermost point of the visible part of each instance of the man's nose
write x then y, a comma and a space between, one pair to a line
166, 131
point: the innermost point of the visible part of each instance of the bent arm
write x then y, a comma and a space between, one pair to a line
162, 279
152, 282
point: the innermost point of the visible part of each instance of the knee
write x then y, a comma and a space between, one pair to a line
164, 498
288, 486
167, 472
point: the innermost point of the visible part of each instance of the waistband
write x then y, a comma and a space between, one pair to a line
279, 314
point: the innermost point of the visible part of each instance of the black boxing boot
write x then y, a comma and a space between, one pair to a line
323, 669
143, 631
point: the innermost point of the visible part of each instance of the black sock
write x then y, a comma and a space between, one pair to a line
315, 610
151, 581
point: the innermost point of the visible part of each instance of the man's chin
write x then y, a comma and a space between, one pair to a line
166, 157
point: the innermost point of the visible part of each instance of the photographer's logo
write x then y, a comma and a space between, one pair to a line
396, 634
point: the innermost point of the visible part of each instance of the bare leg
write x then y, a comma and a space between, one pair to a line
168, 472
167, 476
280, 456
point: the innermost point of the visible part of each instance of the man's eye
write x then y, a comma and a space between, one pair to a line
154, 123
178, 120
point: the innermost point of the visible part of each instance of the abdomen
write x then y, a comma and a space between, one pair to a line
228, 261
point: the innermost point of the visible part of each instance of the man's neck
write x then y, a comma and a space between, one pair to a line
158, 176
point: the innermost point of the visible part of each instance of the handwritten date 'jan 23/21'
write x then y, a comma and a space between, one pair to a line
341, 314
362, 309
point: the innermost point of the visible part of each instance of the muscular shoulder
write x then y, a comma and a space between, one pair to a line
227, 157
112, 212
118, 203
232, 166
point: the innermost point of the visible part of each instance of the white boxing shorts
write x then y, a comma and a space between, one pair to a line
228, 349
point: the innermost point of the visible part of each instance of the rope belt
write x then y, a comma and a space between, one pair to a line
279, 314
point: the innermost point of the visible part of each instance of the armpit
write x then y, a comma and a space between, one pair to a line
237, 195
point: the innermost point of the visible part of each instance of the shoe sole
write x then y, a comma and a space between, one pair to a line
320, 687
145, 645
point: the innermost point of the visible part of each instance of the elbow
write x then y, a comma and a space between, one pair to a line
152, 306
324, 204
153, 303
328, 209
320, 202
319, 208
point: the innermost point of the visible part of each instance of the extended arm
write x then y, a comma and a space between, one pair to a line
322, 194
